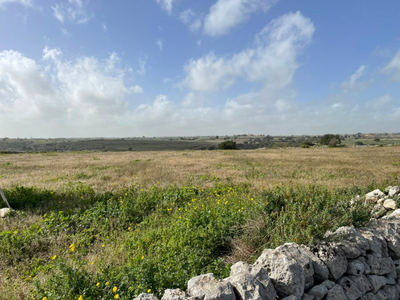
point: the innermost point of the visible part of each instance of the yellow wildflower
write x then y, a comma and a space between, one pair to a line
102, 246
72, 247
149, 290
44, 298
54, 257
98, 284
142, 257
80, 297
115, 289
116, 296
107, 283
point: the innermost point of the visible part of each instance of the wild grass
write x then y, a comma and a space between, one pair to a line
171, 216
103, 171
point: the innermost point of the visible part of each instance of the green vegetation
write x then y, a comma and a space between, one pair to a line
306, 144
330, 140
76, 242
227, 145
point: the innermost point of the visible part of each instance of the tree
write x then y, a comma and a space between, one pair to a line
334, 142
227, 145
327, 138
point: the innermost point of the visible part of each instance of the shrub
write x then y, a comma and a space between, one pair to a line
334, 142
327, 138
227, 145
377, 140
358, 143
306, 144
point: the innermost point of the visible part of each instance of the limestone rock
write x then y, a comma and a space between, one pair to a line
378, 210
336, 293
397, 266
144, 296
291, 297
380, 266
394, 215
393, 190
333, 257
248, 287
350, 241
4, 212
391, 292
370, 296
321, 271
362, 283
199, 285
242, 268
390, 204
377, 243
374, 195
376, 282
287, 274
307, 297
221, 291
329, 284
355, 267
175, 294
390, 280
381, 295
294, 251
318, 291
350, 288
390, 230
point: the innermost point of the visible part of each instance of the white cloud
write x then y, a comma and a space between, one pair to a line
65, 32
73, 10
23, 2
192, 19
380, 102
104, 27
353, 84
272, 60
166, 5
226, 14
142, 65
160, 44
392, 69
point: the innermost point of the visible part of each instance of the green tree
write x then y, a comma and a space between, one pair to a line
227, 145
327, 138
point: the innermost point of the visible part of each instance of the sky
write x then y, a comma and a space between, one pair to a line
96, 68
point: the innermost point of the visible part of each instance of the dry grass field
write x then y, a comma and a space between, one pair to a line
333, 168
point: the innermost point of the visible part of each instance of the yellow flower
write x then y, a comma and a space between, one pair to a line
98, 284
107, 283
54, 257
72, 247
116, 296
44, 298
115, 289
142, 257
102, 246
80, 297
92, 262
149, 290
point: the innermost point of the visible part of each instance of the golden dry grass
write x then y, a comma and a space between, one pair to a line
341, 167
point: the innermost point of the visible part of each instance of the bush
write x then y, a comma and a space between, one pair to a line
358, 143
334, 142
306, 144
377, 140
227, 145
327, 138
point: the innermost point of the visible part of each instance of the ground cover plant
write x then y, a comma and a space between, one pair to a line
79, 241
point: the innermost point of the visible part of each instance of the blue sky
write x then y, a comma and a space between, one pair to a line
82, 68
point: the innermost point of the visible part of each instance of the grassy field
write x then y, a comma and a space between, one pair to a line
98, 225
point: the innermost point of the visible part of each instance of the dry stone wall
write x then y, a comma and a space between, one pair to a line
362, 263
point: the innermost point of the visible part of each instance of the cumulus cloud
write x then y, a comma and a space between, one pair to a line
272, 60
166, 5
73, 10
226, 14
192, 19
392, 69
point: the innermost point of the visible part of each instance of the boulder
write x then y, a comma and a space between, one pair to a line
355, 267
350, 288
318, 291
377, 243
198, 286
362, 283
393, 190
374, 195
350, 241
4, 212
378, 210
376, 282
394, 215
336, 293
390, 230
391, 292
242, 268
379, 265
390, 204
248, 287
286, 273
221, 291
144, 296
333, 257
321, 271
329, 284
174, 294
296, 252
